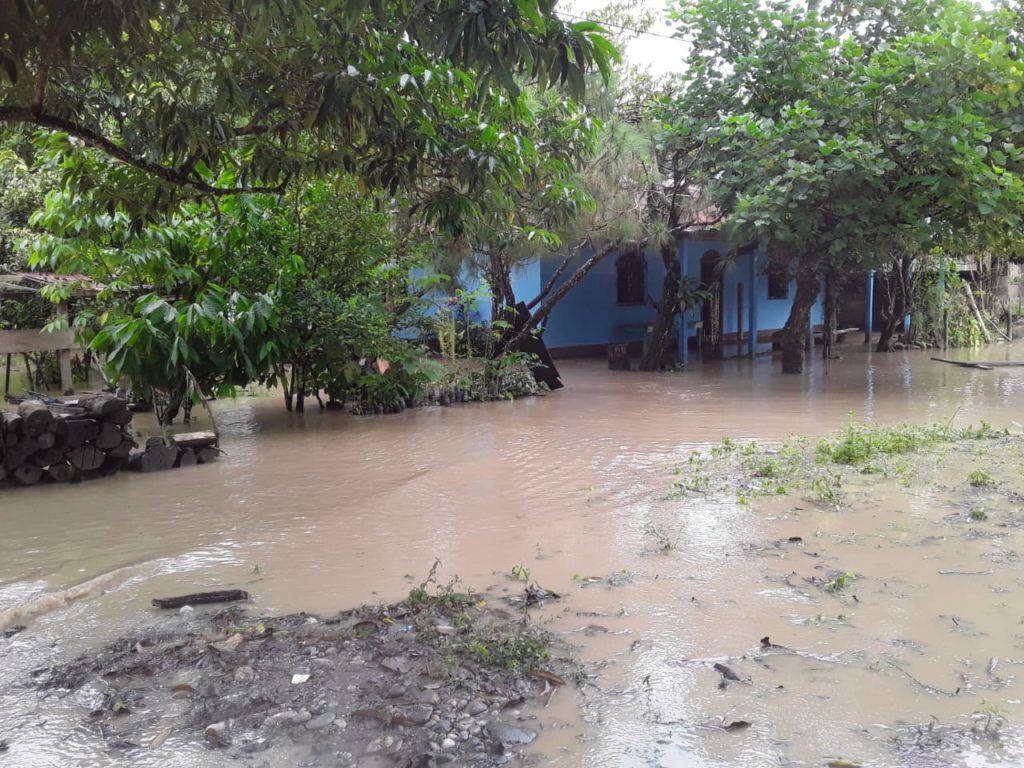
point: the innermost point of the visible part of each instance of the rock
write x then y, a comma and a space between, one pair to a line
476, 708
245, 674
509, 735
448, 744
419, 715
399, 664
217, 734
396, 691
320, 721
287, 717
427, 697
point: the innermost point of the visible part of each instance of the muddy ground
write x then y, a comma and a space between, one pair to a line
439, 678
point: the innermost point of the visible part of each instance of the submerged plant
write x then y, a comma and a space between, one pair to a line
520, 572
839, 583
665, 542
981, 479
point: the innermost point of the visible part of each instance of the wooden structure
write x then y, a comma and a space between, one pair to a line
23, 342
62, 441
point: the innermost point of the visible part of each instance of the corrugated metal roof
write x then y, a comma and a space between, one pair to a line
32, 282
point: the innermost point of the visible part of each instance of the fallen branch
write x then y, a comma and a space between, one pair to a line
984, 365
200, 598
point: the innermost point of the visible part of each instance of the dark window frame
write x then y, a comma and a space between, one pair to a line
634, 292
776, 273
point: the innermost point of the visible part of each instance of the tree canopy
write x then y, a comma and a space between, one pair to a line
837, 129
206, 97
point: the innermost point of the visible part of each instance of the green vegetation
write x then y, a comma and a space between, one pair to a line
821, 471
839, 141
860, 443
979, 478
520, 572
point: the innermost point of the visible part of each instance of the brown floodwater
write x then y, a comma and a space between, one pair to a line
325, 511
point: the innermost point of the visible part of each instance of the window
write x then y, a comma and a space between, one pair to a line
631, 278
778, 281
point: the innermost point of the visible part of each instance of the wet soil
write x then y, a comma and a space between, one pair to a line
429, 681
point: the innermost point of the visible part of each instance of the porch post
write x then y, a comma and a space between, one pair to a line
752, 321
945, 306
870, 310
684, 345
67, 385
739, 318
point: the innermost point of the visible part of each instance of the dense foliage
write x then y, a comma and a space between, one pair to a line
841, 130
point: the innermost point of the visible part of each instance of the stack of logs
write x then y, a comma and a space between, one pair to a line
84, 439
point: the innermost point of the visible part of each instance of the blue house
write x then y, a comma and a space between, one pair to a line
610, 305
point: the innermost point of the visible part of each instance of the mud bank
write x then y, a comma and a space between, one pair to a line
435, 679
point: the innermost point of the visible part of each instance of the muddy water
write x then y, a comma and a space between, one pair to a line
326, 511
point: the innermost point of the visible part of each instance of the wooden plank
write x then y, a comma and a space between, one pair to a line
194, 439
34, 340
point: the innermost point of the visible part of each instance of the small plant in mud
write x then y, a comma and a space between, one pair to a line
840, 583
990, 719
517, 652
665, 542
828, 489
981, 479
978, 515
520, 572
447, 595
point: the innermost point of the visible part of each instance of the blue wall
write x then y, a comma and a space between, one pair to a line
589, 315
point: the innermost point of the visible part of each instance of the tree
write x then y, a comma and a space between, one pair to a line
840, 129
212, 98
342, 276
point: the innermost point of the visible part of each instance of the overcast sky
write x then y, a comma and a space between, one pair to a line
654, 51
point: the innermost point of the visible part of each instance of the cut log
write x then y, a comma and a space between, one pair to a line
46, 457
27, 474
36, 417
104, 405
111, 466
123, 450
187, 458
109, 436
86, 458
80, 432
121, 418
201, 598
207, 455
12, 423
46, 440
61, 472
155, 458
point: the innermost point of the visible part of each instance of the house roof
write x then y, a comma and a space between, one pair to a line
32, 282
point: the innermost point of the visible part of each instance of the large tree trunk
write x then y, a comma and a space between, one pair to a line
658, 352
498, 275
794, 334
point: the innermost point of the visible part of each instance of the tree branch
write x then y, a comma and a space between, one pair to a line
178, 177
